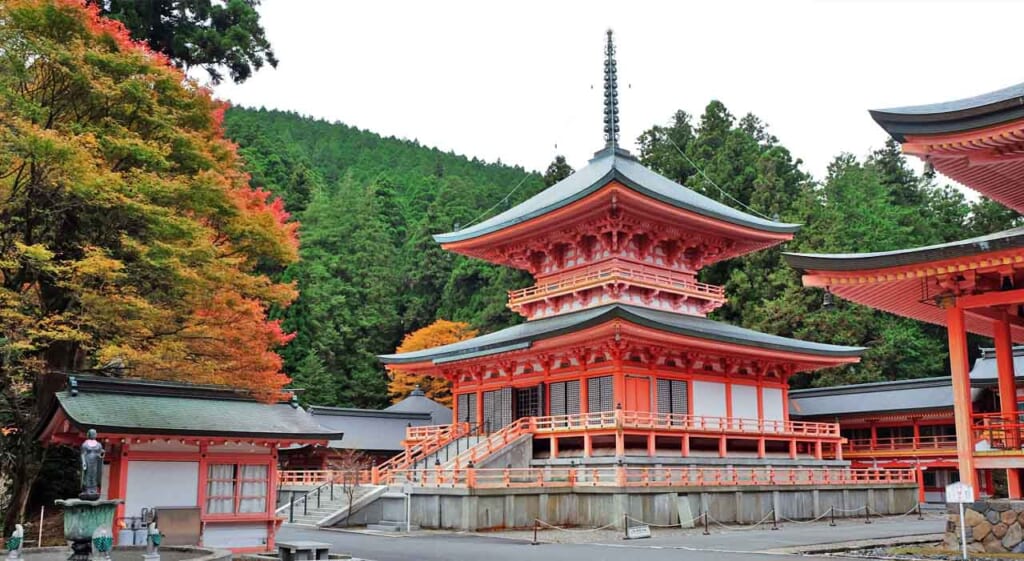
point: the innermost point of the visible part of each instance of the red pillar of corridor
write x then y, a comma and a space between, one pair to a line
1007, 394
962, 407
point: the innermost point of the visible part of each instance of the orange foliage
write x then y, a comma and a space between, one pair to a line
441, 332
144, 243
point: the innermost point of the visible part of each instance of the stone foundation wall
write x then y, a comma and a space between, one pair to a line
993, 526
462, 509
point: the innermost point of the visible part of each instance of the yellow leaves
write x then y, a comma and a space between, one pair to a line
97, 265
35, 253
441, 332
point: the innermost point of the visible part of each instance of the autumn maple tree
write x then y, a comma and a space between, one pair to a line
441, 332
130, 239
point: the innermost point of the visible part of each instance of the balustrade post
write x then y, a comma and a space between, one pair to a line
375, 475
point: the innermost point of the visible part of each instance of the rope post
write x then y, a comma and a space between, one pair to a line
318, 489
536, 523
305, 504
625, 526
707, 529
291, 506
832, 515
920, 516
867, 514
332, 489
775, 521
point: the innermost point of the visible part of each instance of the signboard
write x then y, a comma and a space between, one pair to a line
959, 493
638, 531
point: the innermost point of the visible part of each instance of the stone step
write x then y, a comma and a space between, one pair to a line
390, 526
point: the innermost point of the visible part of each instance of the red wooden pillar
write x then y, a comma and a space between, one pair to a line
917, 434
1007, 396
479, 409
117, 481
554, 447
685, 445
651, 445
584, 395
920, 484
272, 497
962, 406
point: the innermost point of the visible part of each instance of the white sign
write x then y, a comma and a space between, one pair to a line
959, 493
637, 532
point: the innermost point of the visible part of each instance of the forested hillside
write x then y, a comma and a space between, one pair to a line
369, 271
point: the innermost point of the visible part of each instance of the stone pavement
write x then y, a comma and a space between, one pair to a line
736, 545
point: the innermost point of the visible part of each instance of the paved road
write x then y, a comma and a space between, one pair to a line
732, 546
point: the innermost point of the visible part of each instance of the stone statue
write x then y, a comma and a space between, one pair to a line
152, 543
15, 543
92, 467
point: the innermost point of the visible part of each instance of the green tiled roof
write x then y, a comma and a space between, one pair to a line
159, 408
524, 334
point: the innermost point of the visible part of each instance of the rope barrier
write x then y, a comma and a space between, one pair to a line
571, 531
754, 526
811, 521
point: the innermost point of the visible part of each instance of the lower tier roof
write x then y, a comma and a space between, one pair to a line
522, 336
124, 406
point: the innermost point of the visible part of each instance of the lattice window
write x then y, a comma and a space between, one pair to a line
599, 394
672, 396
565, 397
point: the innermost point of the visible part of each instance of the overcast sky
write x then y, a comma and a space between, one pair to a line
514, 80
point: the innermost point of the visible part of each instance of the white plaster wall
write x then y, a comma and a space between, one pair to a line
773, 404
235, 535
153, 484
744, 402
708, 399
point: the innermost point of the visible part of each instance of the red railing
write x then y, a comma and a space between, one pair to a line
423, 448
592, 278
440, 432
996, 431
492, 443
682, 423
317, 477
621, 476
931, 442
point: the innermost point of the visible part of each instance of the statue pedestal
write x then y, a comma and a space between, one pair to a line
81, 518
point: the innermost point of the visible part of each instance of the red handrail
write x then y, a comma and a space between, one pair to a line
610, 274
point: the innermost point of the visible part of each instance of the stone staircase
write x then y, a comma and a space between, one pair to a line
447, 453
330, 511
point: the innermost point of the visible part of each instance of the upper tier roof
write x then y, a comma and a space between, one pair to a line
618, 165
983, 110
521, 336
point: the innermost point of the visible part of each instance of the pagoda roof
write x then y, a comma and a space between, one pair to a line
959, 115
523, 335
126, 406
978, 141
1007, 239
618, 165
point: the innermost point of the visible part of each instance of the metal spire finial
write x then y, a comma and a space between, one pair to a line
611, 96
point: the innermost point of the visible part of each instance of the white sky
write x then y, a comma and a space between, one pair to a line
512, 81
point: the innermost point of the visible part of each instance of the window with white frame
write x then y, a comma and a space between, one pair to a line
236, 488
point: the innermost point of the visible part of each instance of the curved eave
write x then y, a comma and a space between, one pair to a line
985, 110
896, 281
689, 326
630, 173
865, 262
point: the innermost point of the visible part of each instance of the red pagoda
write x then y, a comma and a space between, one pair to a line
617, 360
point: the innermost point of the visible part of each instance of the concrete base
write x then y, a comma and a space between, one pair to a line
481, 509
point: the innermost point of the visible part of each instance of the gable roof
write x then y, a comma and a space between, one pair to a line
369, 429
522, 335
614, 165
164, 408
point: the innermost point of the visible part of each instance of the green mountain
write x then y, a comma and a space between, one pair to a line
370, 272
